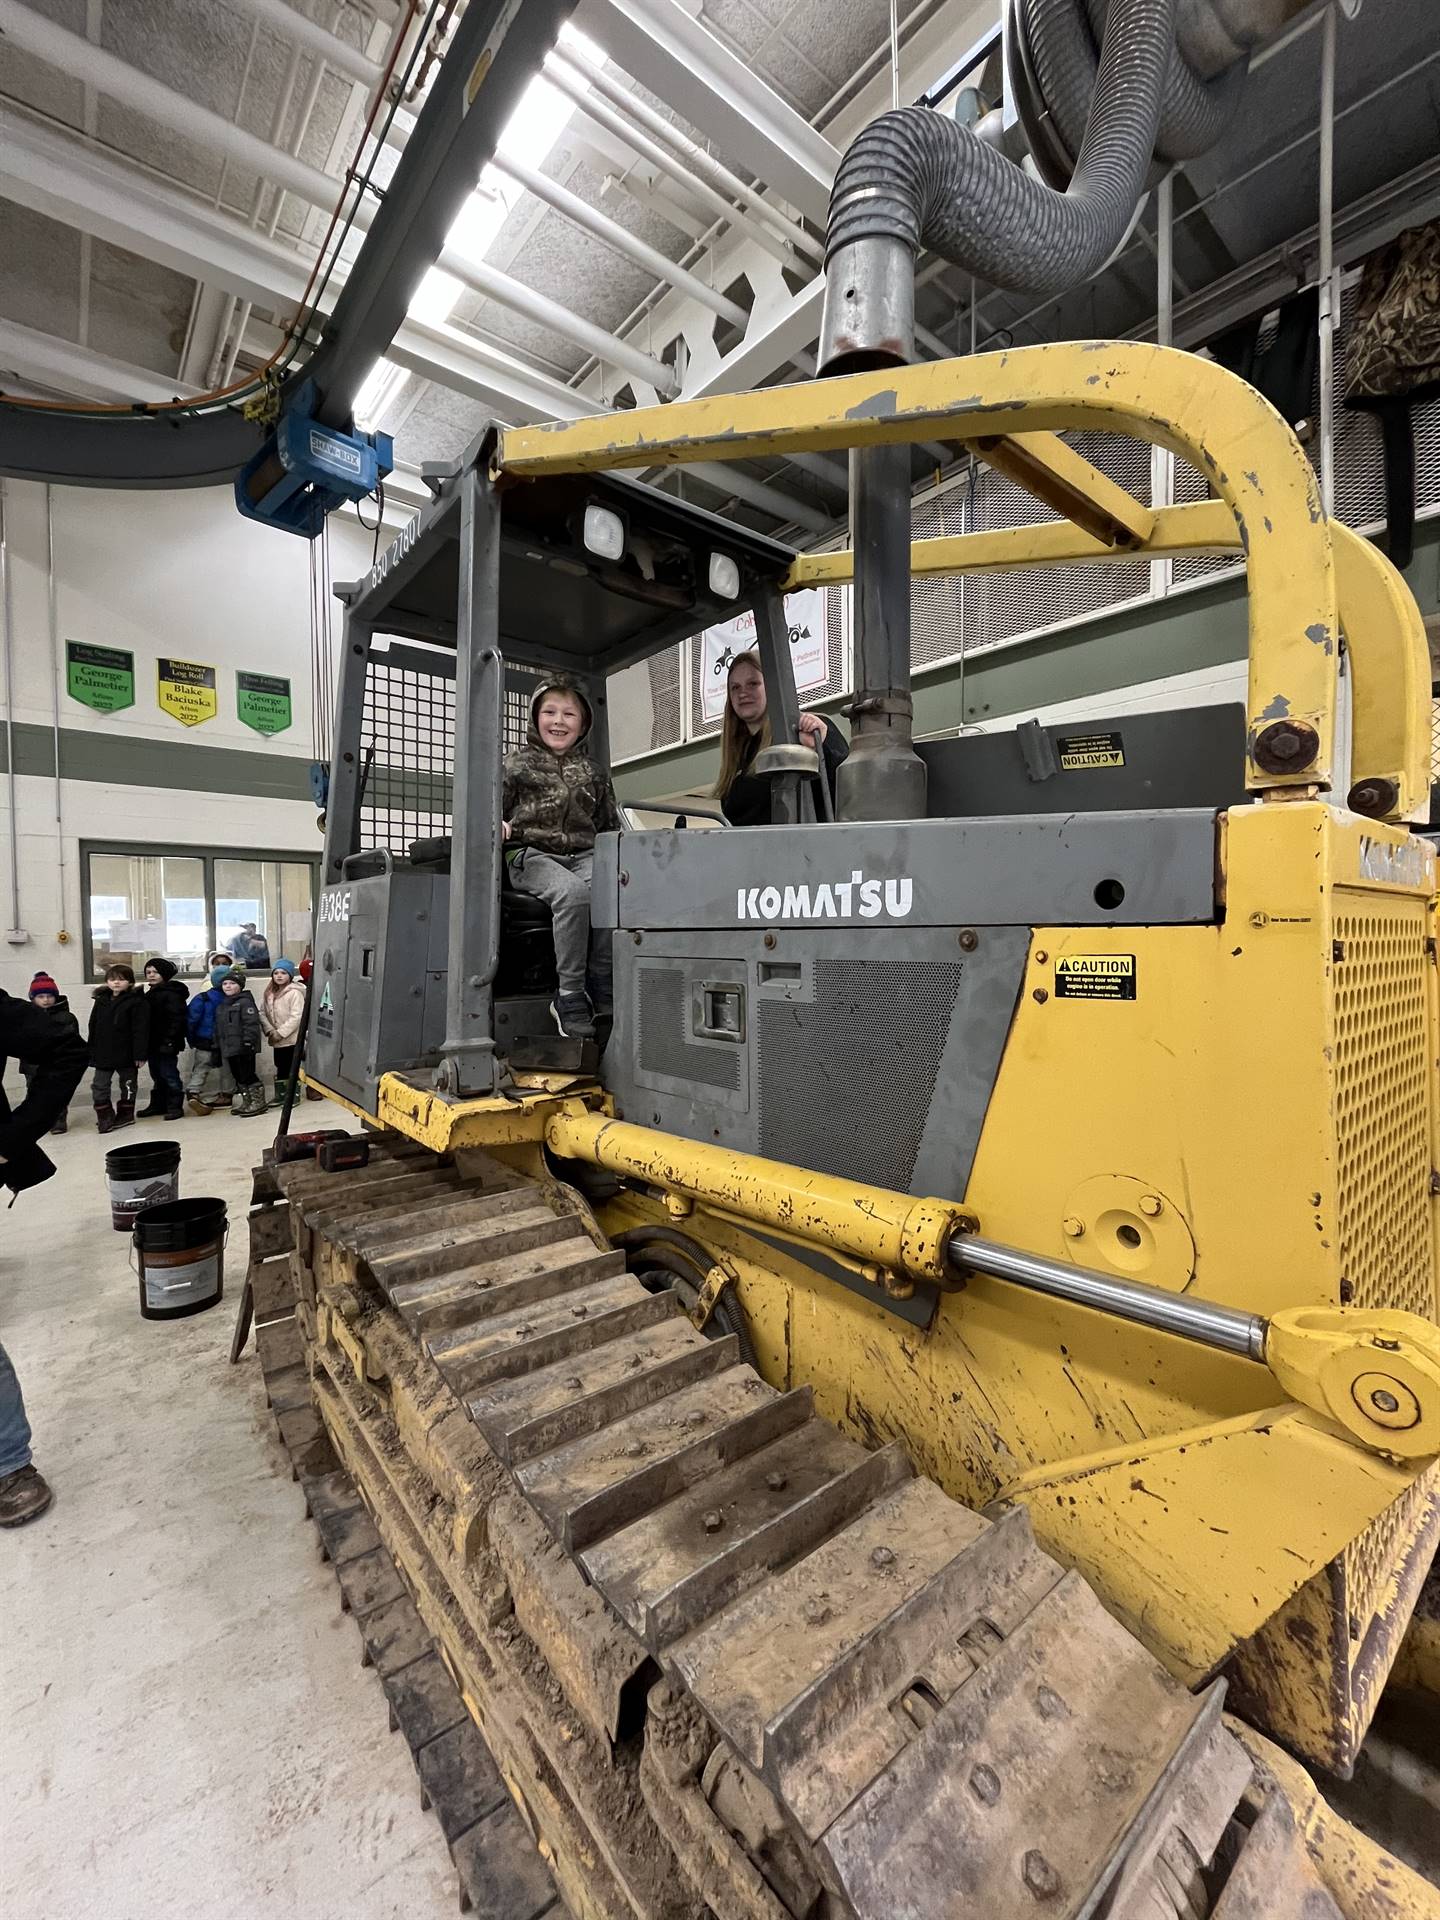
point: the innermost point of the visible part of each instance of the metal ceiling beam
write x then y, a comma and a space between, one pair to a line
595, 221
454, 136
759, 493
302, 31
699, 160
74, 56
56, 177
431, 210
65, 367
659, 44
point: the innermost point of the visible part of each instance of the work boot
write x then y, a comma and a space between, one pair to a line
572, 1014
155, 1110
124, 1115
105, 1118
24, 1495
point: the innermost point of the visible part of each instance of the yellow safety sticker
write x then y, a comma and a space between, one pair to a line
1081, 751
1095, 976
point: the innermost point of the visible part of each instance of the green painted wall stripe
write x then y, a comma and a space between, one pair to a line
131, 760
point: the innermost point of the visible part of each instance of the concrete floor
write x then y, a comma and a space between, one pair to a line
185, 1728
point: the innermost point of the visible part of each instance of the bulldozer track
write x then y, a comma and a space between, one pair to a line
499, 1870
698, 1624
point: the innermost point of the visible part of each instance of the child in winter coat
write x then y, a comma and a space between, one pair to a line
555, 802
205, 1061
238, 1035
281, 1005
47, 998
119, 1041
167, 1004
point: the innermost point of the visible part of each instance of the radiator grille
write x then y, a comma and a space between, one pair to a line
1382, 1102
845, 1083
1383, 1169
663, 1029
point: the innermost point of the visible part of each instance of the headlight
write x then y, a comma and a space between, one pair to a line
724, 577
604, 532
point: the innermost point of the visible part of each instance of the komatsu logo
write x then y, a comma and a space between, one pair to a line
857, 898
1406, 864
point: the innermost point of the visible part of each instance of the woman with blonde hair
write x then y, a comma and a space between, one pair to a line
744, 796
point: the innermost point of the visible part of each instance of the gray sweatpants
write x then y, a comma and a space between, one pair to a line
562, 880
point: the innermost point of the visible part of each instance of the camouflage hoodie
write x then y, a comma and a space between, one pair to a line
557, 802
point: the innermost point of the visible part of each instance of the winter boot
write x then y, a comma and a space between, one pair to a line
240, 1105
24, 1495
105, 1118
62, 1125
155, 1110
124, 1115
175, 1107
573, 1016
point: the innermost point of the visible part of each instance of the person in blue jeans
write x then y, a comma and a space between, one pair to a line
58, 1061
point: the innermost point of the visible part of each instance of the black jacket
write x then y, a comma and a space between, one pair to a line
747, 804
119, 1029
237, 1025
166, 1007
62, 1020
57, 1058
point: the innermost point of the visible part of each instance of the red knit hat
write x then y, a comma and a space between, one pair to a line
42, 983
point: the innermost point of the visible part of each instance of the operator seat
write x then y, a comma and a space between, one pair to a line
527, 942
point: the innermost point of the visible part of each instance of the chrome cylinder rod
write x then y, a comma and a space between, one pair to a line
1227, 1329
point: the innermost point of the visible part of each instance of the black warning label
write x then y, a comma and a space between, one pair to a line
1079, 751
1095, 976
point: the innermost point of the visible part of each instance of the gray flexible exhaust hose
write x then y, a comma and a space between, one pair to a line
915, 178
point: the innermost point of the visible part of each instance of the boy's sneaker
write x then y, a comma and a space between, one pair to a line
24, 1495
573, 1015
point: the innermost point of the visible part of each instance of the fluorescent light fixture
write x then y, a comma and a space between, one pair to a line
529, 136
724, 577
605, 534
378, 389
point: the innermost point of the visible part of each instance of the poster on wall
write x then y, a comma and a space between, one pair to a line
137, 936
262, 702
102, 678
186, 691
809, 649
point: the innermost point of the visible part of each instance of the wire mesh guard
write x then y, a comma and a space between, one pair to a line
407, 742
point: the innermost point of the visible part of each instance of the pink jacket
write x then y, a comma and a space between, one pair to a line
280, 1010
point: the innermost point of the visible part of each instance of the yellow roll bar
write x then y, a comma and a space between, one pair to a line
1389, 657
1004, 404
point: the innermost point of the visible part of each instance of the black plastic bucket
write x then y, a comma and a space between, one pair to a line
180, 1257
139, 1176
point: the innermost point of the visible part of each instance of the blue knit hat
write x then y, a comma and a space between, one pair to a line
217, 974
282, 965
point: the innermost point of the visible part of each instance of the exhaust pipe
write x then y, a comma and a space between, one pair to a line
916, 179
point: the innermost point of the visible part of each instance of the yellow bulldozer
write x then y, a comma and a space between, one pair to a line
938, 1416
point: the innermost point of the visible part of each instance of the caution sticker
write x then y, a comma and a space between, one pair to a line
1095, 976
1080, 751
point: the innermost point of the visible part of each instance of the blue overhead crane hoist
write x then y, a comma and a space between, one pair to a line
305, 470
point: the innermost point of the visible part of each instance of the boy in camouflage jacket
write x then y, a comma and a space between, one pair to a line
555, 802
